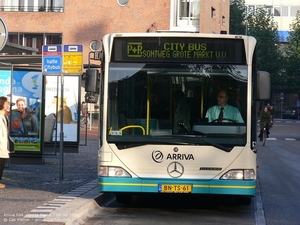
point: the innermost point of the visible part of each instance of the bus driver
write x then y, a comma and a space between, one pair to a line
222, 111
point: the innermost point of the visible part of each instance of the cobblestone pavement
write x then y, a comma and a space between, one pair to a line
30, 186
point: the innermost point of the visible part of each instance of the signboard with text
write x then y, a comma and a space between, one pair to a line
52, 59
172, 49
66, 59
72, 59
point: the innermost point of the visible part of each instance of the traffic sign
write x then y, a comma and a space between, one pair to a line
52, 59
72, 61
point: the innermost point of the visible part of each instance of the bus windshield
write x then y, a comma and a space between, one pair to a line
173, 103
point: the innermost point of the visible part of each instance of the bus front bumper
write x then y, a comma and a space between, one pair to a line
136, 185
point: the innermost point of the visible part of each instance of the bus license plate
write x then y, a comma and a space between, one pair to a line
175, 188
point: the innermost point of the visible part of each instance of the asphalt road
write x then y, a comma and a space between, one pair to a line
279, 174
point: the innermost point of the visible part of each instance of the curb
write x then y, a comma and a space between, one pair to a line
77, 211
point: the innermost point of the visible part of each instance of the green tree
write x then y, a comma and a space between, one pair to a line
237, 17
261, 25
291, 75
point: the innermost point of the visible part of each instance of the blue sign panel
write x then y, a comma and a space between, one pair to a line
52, 65
52, 59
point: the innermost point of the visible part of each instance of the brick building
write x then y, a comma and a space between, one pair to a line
33, 23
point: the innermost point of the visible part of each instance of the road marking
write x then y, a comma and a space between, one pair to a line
290, 139
271, 139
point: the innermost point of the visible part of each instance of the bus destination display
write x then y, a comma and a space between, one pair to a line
169, 49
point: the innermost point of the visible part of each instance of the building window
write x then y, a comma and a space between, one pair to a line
223, 20
34, 40
213, 12
281, 11
122, 2
32, 5
185, 15
294, 10
285, 10
277, 11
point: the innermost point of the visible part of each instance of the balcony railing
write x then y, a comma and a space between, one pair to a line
32, 8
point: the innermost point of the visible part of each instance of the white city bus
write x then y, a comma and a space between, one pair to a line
144, 147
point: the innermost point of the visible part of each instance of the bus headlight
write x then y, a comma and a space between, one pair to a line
248, 174
111, 171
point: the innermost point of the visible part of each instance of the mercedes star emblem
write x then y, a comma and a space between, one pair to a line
175, 169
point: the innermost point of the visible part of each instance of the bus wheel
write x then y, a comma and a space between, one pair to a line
124, 198
243, 200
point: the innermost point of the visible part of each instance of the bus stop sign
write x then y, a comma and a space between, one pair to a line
52, 55
72, 62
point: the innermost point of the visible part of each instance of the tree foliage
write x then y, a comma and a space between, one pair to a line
237, 17
261, 25
291, 75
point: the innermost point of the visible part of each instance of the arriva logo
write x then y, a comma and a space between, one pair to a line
180, 157
158, 156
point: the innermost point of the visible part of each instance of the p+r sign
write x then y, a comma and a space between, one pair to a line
52, 59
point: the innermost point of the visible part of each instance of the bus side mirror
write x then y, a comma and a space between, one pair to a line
263, 85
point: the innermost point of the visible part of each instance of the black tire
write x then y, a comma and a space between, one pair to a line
124, 198
243, 200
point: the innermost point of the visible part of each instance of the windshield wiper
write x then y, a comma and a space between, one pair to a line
200, 139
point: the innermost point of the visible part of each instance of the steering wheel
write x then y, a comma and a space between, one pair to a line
226, 119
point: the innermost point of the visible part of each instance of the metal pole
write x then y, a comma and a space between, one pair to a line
61, 158
281, 106
91, 116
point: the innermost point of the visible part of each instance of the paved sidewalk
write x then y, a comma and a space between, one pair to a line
34, 193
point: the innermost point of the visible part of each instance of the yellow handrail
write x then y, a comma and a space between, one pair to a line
134, 126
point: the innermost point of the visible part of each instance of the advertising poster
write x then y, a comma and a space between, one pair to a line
70, 107
25, 113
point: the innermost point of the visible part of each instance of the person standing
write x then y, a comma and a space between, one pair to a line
84, 110
4, 152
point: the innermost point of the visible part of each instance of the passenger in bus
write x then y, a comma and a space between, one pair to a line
195, 105
159, 108
222, 112
182, 113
